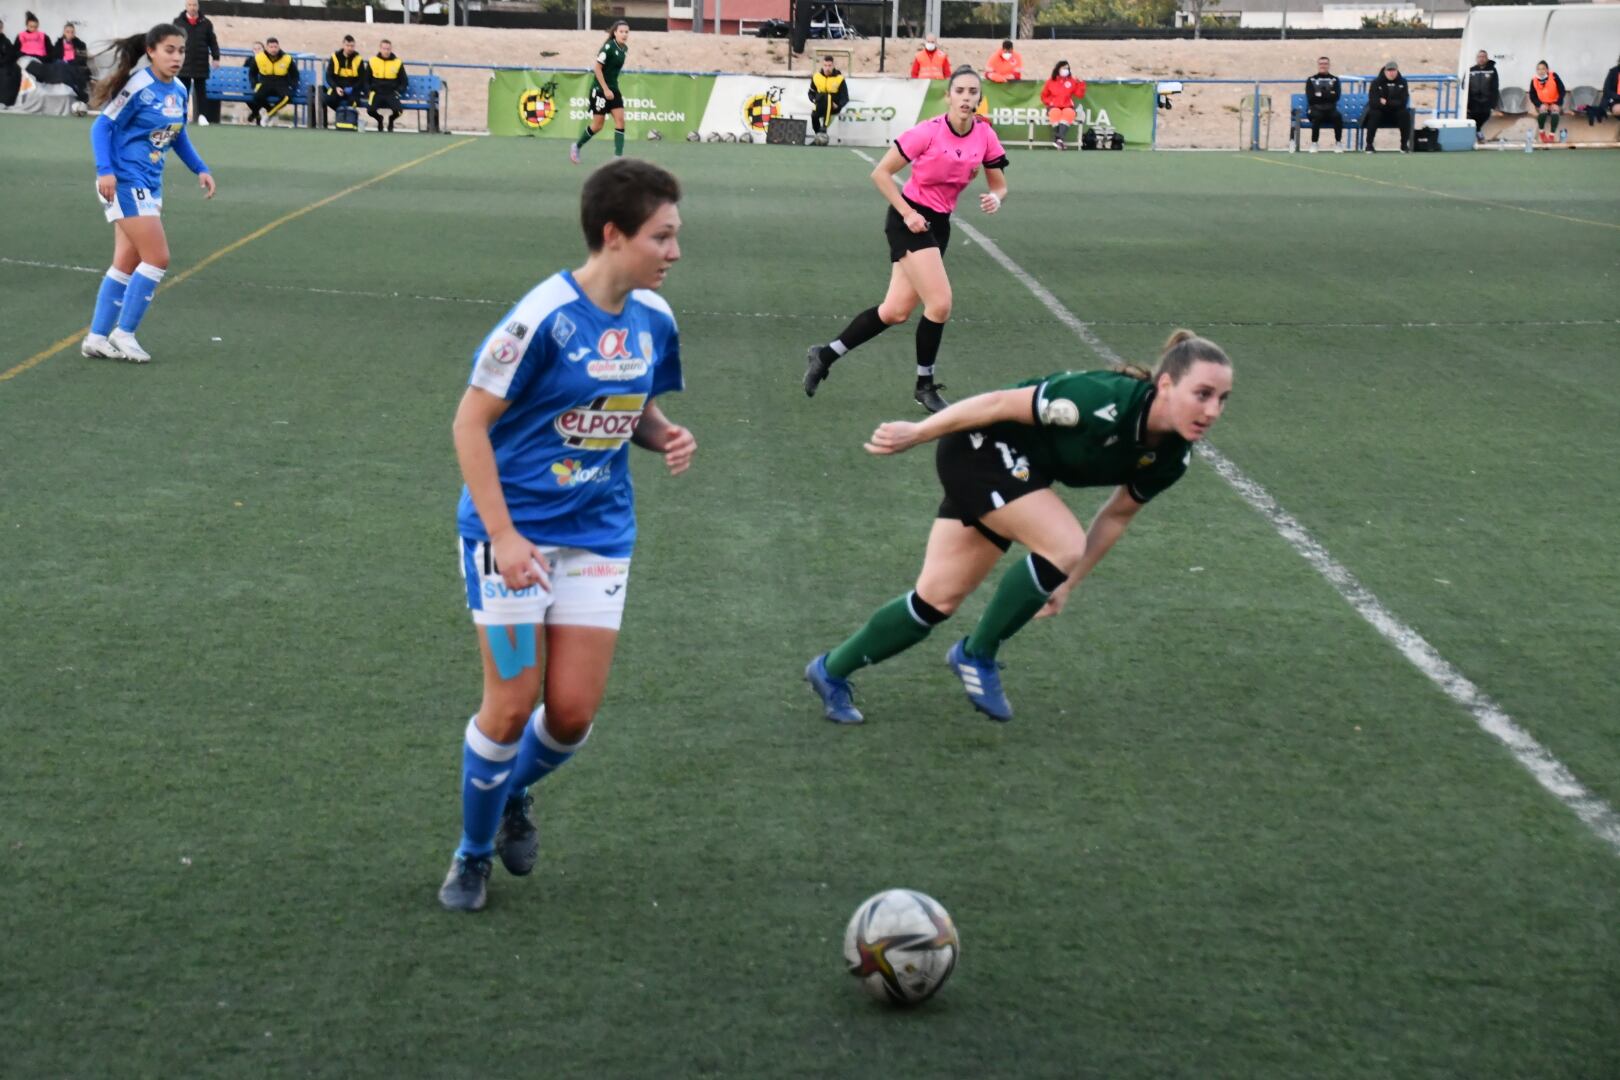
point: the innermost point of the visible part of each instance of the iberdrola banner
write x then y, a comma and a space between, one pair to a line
554, 105
1126, 107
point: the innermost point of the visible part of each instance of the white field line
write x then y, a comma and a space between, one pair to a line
822, 317
1547, 770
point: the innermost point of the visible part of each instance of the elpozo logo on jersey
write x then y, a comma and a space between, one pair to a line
605, 424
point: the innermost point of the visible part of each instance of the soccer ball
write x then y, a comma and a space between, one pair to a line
715, 136
692, 136
902, 946
820, 138
747, 136
655, 135
731, 136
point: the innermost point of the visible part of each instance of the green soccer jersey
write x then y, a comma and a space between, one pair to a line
1090, 431
611, 57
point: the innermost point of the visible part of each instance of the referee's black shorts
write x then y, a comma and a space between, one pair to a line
981, 474
902, 240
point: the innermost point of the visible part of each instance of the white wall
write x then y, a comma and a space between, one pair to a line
97, 21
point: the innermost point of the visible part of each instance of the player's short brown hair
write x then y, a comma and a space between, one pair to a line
625, 192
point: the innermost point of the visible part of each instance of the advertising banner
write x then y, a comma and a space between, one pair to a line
1126, 107
878, 109
554, 105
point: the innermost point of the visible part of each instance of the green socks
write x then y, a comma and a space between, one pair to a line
584, 136
618, 143
893, 628
1023, 591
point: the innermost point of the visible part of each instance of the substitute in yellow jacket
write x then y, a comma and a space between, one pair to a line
275, 80
829, 93
345, 82
386, 85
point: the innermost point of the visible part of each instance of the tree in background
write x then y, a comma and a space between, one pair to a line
1143, 13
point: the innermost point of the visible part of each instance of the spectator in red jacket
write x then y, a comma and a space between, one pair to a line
1059, 94
1004, 65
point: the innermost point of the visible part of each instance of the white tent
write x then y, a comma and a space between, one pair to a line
1580, 41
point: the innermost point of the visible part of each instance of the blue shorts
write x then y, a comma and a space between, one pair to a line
133, 201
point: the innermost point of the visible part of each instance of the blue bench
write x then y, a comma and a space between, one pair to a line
231, 82
1352, 107
423, 93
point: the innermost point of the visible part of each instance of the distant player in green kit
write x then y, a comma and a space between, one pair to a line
605, 96
999, 454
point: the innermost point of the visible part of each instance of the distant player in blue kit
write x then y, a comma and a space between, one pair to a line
143, 114
559, 389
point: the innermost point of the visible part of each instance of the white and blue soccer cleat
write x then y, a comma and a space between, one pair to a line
837, 696
981, 681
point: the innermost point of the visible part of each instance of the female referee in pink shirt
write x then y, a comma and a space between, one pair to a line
944, 153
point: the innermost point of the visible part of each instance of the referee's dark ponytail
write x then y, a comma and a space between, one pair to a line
127, 53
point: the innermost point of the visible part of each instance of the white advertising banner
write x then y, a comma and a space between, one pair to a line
878, 109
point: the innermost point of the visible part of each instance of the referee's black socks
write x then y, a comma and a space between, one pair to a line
861, 329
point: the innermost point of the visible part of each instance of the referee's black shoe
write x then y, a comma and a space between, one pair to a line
927, 396
815, 370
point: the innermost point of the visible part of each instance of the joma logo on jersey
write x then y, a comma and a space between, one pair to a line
614, 345
605, 424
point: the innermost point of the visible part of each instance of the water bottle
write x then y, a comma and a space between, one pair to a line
1530, 141
1563, 135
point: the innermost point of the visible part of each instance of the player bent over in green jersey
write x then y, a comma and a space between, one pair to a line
998, 456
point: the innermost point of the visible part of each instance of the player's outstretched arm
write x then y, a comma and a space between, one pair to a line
521, 563
969, 414
1109, 525
657, 433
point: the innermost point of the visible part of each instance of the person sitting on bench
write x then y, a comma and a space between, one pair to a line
1389, 102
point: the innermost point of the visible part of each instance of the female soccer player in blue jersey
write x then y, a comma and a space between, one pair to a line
143, 114
561, 386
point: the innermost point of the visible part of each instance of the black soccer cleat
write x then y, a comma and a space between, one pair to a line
517, 841
815, 370
927, 396
466, 886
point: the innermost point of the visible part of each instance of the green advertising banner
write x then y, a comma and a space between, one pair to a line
1126, 107
553, 104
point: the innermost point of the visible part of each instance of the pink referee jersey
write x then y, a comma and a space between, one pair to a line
942, 162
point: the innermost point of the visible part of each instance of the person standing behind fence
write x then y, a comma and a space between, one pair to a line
1322, 104
605, 97
1389, 102
1059, 94
829, 93
931, 61
1484, 87
1547, 99
202, 57
275, 80
385, 82
1004, 66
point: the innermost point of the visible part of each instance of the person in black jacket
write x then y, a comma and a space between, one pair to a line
1484, 89
10, 77
829, 93
202, 57
1608, 100
385, 84
1389, 102
346, 77
71, 52
1322, 103
275, 80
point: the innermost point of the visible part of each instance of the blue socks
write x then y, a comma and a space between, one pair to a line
143, 286
539, 753
109, 298
486, 774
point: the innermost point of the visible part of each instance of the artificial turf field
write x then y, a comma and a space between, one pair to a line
1232, 831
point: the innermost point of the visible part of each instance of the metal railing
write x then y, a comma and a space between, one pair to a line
1447, 90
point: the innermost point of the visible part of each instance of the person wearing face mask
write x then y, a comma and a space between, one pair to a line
931, 61
1005, 65
998, 457
1059, 94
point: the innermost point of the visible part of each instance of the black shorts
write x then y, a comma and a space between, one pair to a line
980, 474
902, 240
600, 105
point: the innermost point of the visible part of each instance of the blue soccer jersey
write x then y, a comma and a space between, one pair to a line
578, 379
134, 132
